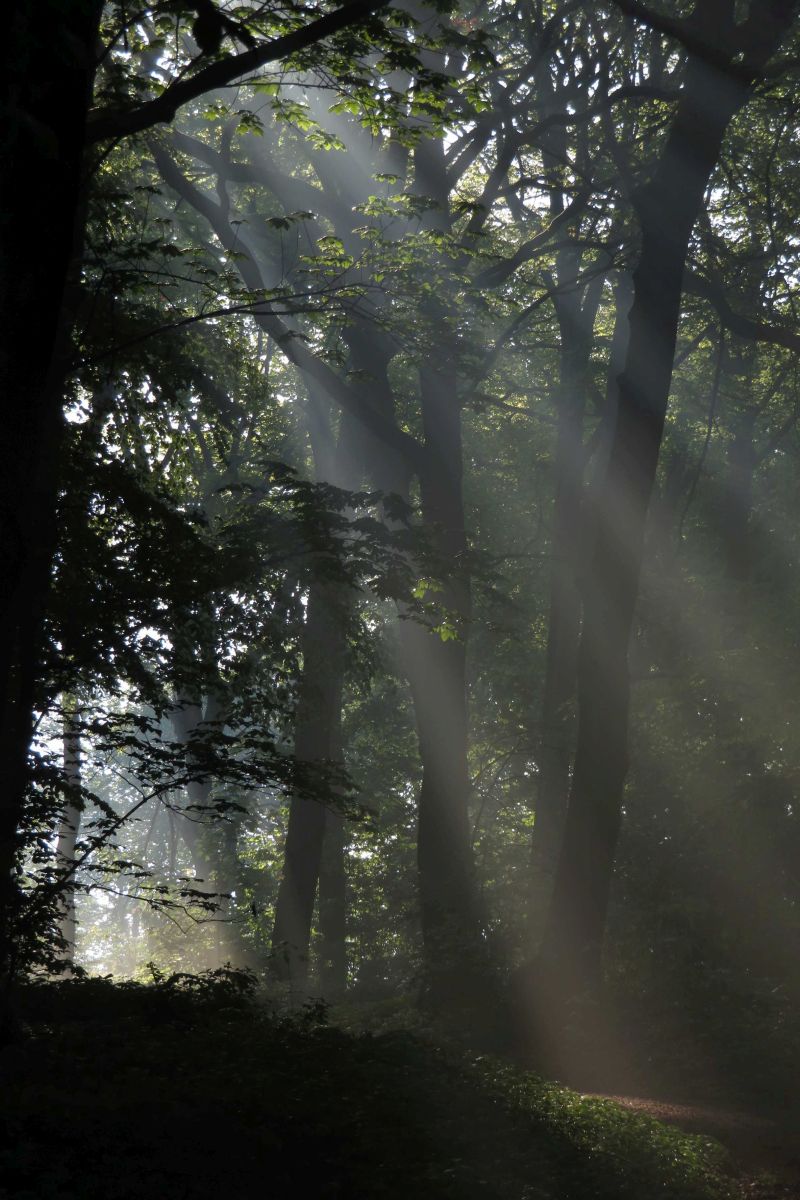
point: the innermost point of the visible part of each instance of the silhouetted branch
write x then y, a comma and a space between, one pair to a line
103, 125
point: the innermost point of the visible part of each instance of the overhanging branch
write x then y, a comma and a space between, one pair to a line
103, 125
744, 327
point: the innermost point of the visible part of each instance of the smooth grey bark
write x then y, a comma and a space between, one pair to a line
667, 206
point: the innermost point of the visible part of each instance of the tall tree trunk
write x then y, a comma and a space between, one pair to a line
333, 908
570, 960
68, 830
436, 661
206, 843
436, 668
48, 58
437, 673
576, 322
314, 853
576, 306
187, 720
319, 702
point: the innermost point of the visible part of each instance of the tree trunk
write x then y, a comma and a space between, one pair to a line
570, 960
333, 908
314, 853
48, 67
456, 967
576, 304
576, 323
319, 703
436, 662
436, 670
206, 843
68, 829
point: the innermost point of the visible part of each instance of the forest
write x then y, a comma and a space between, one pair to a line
400, 592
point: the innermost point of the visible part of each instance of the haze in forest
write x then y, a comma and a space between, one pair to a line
398, 541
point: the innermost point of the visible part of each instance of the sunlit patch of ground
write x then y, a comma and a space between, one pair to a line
765, 1151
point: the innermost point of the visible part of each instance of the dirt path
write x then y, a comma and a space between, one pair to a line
759, 1146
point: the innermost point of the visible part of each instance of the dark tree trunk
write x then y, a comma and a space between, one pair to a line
323, 638
436, 662
316, 745
444, 828
436, 670
187, 719
668, 206
68, 830
556, 740
333, 908
437, 674
48, 61
576, 304
315, 845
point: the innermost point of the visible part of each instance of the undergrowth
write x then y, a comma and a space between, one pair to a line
195, 1087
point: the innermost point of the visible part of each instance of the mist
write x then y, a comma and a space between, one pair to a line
399, 627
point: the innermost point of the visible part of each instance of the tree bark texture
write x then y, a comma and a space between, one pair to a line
438, 682
576, 303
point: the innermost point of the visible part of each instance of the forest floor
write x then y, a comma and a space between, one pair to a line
764, 1151
191, 1092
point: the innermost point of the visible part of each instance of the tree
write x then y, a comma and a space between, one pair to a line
667, 207
49, 70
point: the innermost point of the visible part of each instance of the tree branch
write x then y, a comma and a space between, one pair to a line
499, 272
350, 400
743, 327
104, 124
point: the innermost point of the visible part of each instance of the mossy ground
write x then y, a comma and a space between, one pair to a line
194, 1091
